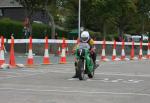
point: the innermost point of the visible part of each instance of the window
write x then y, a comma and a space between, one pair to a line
1, 13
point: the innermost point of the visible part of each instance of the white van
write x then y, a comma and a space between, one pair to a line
136, 38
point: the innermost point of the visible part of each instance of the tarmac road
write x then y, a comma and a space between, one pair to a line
114, 82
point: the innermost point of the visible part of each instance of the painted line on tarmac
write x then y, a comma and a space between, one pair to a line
22, 75
109, 73
124, 74
8, 77
109, 80
75, 91
122, 62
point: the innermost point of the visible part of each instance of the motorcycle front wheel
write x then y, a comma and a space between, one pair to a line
81, 71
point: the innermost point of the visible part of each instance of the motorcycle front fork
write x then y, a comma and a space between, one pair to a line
84, 66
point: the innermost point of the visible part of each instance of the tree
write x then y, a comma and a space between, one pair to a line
32, 6
144, 12
124, 11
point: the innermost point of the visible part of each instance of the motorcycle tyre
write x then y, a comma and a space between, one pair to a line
81, 72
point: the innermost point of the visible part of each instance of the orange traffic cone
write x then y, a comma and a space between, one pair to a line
46, 54
122, 51
148, 51
12, 62
2, 58
114, 51
140, 52
132, 51
63, 53
103, 56
30, 54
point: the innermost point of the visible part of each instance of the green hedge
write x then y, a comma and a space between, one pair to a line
39, 30
8, 26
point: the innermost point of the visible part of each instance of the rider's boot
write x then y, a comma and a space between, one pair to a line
94, 60
95, 65
76, 75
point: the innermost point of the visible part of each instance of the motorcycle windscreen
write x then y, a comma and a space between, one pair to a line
84, 46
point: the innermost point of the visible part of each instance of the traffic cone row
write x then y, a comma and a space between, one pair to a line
30, 59
123, 56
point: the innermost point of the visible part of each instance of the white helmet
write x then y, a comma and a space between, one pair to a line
85, 36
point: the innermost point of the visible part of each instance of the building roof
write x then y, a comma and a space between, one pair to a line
9, 4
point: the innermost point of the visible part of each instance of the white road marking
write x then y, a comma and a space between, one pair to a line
109, 80
123, 62
8, 77
73, 79
117, 80
133, 81
109, 73
124, 74
75, 91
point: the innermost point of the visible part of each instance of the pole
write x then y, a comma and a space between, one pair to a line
79, 19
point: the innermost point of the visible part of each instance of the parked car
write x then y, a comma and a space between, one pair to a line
136, 38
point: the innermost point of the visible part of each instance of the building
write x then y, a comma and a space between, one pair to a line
13, 10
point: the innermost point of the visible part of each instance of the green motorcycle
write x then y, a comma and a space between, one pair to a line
84, 63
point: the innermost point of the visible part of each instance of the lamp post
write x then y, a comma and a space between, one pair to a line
79, 19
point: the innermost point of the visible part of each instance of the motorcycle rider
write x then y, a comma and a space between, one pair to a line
85, 38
